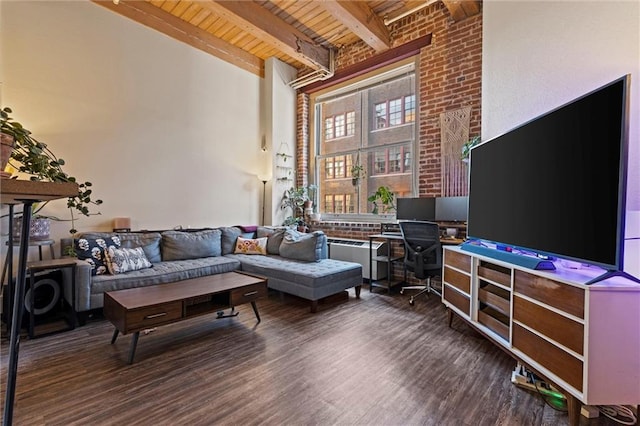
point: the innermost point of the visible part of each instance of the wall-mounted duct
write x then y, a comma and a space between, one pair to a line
317, 75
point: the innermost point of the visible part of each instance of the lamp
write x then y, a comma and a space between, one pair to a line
264, 179
122, 224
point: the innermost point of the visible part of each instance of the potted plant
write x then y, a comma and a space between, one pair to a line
35, 159
294, 199
466, 148
357, 173
384, 196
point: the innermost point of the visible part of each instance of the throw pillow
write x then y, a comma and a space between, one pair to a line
178, 245
251, 246
300, 246
92, 250
274, 236
229, 236
120, 260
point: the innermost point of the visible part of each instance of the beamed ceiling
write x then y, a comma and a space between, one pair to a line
299, 32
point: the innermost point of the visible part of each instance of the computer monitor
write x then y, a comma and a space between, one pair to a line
421, 208
451, 209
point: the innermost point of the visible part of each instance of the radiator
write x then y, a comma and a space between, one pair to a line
358, 251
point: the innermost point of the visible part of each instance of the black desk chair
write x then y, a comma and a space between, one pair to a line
422, 254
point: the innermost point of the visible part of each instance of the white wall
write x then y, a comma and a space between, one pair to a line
167, 134
540, 55
280, 115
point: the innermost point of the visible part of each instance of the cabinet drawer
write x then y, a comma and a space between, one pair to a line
149, 316
561, 329
457, 279
458, 260
495, 297
248, 294
495, 321
565, 297
554, 359
495, 273
457, 299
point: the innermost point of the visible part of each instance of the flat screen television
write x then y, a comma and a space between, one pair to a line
556, 185
421, 208
451, 209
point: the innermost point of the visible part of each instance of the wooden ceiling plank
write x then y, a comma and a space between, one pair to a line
455, 9
359, 18
262, 24
471, 8
174, 27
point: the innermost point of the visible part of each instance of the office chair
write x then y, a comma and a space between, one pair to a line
422, 254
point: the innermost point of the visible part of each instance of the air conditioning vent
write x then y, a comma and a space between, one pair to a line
358, 251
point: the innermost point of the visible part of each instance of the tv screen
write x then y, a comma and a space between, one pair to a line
556, 184
423, 208
451, 209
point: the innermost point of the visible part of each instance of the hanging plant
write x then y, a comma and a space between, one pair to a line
35, 159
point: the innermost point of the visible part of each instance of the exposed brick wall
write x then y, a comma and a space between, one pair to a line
302, 139
449, 78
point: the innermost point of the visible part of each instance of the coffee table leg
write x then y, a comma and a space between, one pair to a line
134, 343
115, 335
255, 310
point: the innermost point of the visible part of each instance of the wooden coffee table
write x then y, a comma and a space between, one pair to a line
136, 309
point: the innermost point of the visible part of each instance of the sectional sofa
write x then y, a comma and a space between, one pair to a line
293, 262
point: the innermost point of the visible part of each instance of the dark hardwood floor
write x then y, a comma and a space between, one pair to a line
373, 361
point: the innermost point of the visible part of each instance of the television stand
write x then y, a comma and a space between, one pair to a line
613, 273
582, 338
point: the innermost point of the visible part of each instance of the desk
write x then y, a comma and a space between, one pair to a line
389, 259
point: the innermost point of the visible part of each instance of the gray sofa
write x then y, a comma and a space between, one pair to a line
294, 263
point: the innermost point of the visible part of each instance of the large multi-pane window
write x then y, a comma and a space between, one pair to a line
370, 124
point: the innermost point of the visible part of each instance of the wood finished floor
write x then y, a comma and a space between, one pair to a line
373, 361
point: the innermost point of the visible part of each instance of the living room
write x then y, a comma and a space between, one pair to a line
171, 136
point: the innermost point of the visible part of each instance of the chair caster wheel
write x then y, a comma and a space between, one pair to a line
401, 291
411, 302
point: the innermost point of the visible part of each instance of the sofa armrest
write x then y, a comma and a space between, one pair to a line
83, 285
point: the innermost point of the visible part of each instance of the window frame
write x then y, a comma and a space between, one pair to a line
384, 74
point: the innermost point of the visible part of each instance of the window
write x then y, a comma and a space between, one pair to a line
340, 125
395, 112
370, 123
328, 128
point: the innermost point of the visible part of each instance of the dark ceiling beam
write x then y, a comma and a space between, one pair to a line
154, 17
362, 20
262, 24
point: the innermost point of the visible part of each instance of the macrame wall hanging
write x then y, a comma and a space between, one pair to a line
454, 132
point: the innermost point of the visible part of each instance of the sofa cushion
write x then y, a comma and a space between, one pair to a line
274, 240
251, 245
178, 245
150, 243
229, 236
163, 272
120, 260
302, 246
92, 250
310, 280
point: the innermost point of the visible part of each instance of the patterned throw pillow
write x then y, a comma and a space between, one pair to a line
251, 246
121, 260
92, 250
